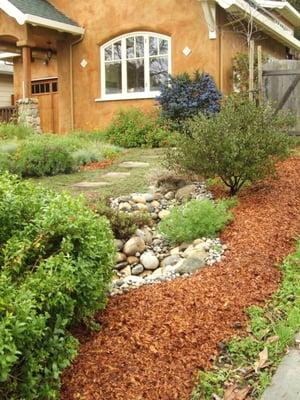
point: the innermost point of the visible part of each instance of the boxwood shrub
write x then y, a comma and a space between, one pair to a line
55, 269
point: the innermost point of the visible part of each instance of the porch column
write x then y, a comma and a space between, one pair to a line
64, 86
26, 83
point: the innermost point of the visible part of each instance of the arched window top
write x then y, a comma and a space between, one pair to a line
135, 65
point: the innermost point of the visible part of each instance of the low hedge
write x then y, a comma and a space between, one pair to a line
55, 269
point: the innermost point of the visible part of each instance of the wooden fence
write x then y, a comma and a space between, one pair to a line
281, 86
7, 113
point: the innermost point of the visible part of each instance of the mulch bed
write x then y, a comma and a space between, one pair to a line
96, 165
154, 339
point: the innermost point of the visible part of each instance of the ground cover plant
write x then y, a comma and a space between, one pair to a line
195, 219
247, 364
184, 95
133, 128
123, 224
55, 268
32, 155
239, 144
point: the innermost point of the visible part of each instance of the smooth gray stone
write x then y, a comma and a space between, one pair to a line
286, 381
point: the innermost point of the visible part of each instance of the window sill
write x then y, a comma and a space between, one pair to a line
129, 97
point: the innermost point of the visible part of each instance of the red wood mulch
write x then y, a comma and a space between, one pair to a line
96, 165
154, 339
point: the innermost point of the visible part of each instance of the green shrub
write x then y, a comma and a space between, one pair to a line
194, 220
123, 224
55, 269
239, 144
6, 163
133, 128
43, 159
11, 131
86, 156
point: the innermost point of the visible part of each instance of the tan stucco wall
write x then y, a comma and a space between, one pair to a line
183, 20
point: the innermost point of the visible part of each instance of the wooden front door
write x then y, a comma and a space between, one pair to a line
46, 91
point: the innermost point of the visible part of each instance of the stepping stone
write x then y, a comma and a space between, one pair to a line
116, 175
91, 185
134, 164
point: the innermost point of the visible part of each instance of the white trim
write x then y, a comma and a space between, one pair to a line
147, 94
47, 78
134, 96
264, 22
7, 55
49, 23
22, 18
284, 8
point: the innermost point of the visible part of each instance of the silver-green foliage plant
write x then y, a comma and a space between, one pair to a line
241, 143
195, 219
55, 269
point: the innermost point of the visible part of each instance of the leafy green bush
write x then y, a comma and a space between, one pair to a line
194, 220
43, 159
11, 131
86, 156
55, 269
239, 144
133, 128
123, 224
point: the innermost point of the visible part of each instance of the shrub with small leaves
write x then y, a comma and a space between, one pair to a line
239, 144
55, 269
132, 128
43, 159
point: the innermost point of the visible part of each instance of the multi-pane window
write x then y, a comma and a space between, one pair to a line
135, 65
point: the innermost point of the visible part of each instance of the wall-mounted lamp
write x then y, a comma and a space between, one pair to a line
48, 57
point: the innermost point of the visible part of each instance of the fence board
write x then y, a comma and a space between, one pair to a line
278, 77
7, 113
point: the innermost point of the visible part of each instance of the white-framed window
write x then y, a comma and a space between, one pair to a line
134, 65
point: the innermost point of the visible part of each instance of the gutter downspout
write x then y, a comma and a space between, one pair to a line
72, 44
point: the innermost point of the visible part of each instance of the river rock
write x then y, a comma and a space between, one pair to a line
121, 265
137, 269
120, 257
134, 245
171, 260
141, 207
144, 234
148, 197
126, 271
149, 260
185, 193
163, 214
119, 244
132, 260
124, 206
170, 195
137, 198
188, 265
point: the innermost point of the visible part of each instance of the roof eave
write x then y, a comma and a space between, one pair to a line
268, 26
22, 18
284, 8
49, 23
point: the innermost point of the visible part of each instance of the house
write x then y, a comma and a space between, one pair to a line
83, 60
6, 85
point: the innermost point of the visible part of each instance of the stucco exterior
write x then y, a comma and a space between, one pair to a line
80, 87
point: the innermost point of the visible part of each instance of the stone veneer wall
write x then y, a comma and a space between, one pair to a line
28, 113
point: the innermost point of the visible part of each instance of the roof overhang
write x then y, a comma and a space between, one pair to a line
8, 55
34, 20
284, 8
243, 8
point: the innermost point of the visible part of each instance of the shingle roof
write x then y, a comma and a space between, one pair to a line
42, 8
